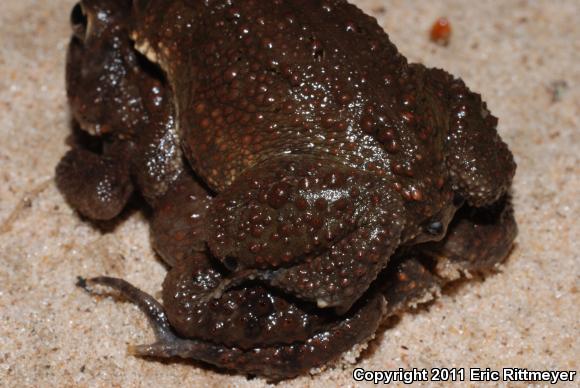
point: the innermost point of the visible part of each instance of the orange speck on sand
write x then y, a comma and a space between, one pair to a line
441, 31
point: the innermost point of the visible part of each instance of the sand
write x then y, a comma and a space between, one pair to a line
521, 55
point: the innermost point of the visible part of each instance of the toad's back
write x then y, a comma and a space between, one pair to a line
254, 79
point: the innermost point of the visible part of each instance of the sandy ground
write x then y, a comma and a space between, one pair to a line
521, 55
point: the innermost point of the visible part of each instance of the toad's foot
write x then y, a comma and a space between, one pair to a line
273, 362
146, 303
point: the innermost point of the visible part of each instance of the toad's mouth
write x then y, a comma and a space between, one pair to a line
144, 47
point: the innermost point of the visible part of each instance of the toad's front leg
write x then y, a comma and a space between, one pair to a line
311, 226
98, 186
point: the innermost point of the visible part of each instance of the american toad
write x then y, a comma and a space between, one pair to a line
306, 180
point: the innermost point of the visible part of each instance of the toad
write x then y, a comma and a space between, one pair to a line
306, 180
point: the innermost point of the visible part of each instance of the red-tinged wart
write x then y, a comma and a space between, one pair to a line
300, 171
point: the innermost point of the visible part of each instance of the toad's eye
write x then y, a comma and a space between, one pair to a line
231, 263
435, 228
78, 21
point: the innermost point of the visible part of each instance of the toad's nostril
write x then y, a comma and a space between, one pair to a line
435, 228
78, 20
